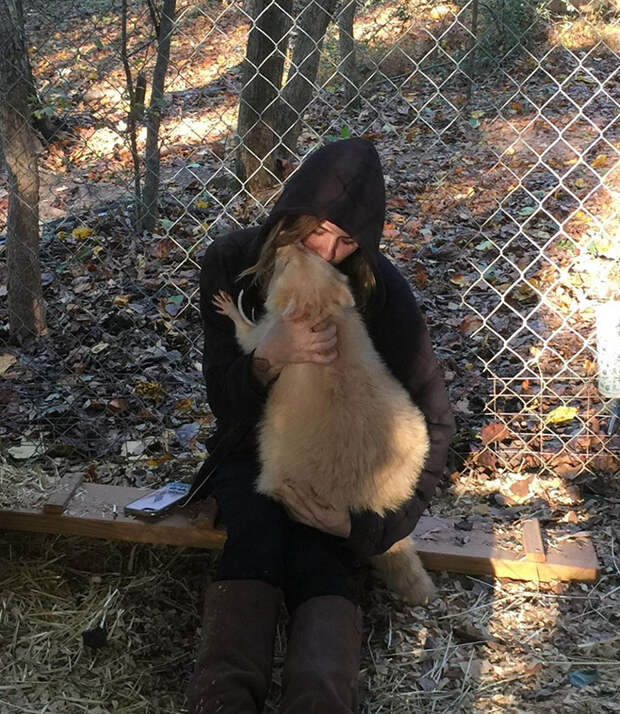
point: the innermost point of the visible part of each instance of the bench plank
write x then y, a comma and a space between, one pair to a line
96, 511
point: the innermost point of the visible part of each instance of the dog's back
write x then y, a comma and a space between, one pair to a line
348, 428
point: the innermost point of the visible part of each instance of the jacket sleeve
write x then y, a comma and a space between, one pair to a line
234, 393
420, 373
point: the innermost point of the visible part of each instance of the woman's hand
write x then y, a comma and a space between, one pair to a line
295, 341
305, 506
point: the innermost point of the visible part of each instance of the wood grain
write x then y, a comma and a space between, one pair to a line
533, 542
58, 501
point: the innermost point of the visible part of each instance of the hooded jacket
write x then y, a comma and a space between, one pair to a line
343, 183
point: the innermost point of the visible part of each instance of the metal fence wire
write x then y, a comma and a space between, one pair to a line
158, 126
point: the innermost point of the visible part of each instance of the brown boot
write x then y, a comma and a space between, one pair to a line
323, 657
233, 666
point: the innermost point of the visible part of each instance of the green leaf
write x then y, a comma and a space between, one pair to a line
345, 132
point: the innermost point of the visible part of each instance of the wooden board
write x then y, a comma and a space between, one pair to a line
59, 500
532, 541
442, 547
96, 511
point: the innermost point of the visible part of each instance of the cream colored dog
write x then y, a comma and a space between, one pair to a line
347, 429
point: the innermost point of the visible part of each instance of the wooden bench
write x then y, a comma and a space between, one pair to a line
97, 511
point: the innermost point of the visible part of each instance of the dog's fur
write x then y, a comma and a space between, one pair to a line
348, 429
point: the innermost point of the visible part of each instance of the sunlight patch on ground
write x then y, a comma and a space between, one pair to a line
210, 126
583, 33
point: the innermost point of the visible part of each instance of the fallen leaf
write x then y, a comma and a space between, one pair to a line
173, 304
26, 450
132, 448
607, 463
487, 458
561, 414
459, 279
161, 249
82, 232
526, 291
586, 78
201, 228
182, 406
412, 226
150, 390
589, 367
118, 404
158, 460
599, 161
99, 347
521, 488
421, 276
495, 431
391, 231
462, 406
7, 360
470, 324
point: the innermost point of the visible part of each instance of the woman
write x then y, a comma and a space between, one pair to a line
303, 551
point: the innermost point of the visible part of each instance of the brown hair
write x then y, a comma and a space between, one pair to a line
291, 229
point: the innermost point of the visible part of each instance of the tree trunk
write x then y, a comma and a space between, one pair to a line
262, 77
25, 298
153, 118
471, 63
348, 65
45, 125
300, 87
135, 115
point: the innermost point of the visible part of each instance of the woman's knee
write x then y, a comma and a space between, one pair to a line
317, 564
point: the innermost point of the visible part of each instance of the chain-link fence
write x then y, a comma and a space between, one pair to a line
497, 124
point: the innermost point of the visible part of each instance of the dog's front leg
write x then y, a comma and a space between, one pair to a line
225, 306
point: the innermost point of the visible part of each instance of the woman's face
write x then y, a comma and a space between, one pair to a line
330, 242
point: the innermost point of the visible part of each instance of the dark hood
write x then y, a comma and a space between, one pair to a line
343, 183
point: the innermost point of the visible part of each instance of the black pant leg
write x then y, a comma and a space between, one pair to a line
257, 526
317, 564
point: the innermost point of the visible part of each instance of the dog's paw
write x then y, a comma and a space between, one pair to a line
223, 303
